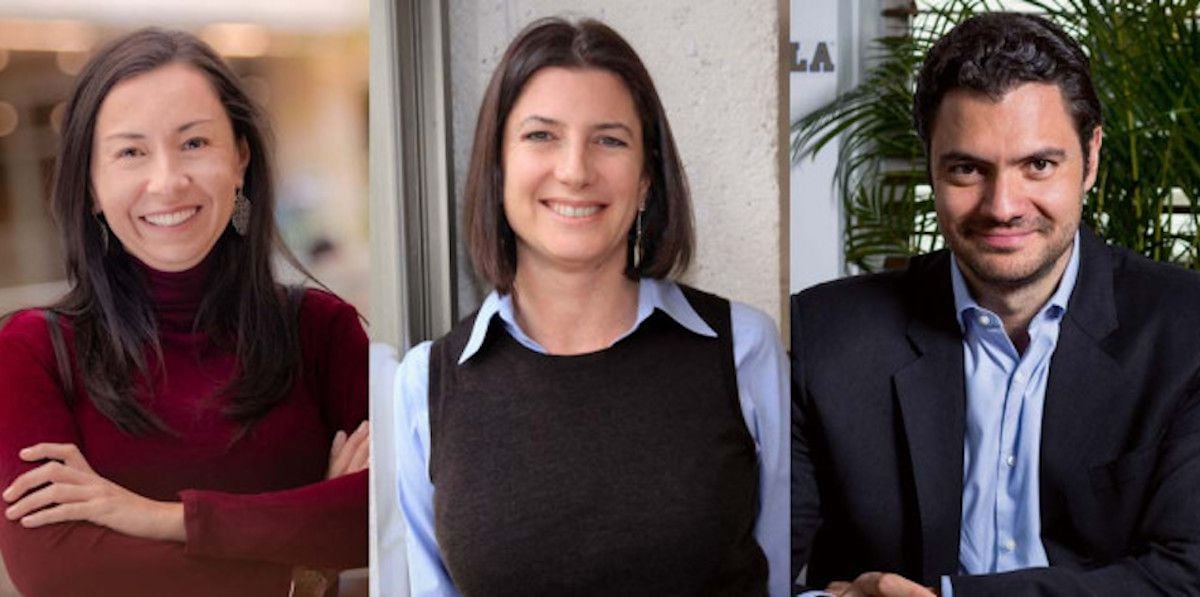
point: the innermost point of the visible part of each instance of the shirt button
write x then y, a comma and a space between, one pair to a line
985, 321
1009, 545
1020, 377
1010, 460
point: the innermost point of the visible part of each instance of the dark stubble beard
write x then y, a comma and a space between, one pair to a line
994, 277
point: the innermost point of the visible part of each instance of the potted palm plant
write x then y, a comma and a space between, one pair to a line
1145, 57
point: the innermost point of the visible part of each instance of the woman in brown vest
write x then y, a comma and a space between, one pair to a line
594, 428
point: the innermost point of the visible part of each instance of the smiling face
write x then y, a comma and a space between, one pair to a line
573, 170
165, 166
1008, 180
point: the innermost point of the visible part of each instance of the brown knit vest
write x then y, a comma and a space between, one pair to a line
627, 471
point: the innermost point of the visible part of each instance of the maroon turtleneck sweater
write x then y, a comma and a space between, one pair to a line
253, 509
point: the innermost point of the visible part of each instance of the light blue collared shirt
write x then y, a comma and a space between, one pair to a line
762, 378
1006, 390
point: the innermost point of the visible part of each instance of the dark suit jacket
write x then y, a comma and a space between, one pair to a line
879, 412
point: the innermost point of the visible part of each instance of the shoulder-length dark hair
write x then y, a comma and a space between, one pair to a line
108, 303
667, 236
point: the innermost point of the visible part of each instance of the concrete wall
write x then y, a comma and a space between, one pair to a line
718, 69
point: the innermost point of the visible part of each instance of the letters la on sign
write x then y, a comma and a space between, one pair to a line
820, 62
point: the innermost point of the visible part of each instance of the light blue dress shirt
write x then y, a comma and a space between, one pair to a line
1006, 390
762, 378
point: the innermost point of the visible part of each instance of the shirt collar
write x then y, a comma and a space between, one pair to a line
964, 304
661, 295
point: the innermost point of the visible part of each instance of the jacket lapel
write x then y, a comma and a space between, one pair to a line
1078, 409
931, 398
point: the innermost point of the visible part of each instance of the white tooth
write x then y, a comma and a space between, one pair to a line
573, 211
171, 219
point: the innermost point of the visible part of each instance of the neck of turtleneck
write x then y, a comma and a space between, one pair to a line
176, 296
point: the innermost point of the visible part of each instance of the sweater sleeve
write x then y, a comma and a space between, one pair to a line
99, 561
323, 524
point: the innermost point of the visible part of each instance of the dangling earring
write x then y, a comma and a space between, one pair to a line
637, 239
103, 231
241, 213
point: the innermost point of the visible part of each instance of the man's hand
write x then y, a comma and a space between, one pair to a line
66, 489
880, 584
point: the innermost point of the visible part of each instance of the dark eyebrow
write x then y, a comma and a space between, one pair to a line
136, 136
960, 156
1049, 153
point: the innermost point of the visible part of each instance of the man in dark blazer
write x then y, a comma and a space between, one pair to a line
1018, 414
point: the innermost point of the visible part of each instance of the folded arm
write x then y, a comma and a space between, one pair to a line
322, 524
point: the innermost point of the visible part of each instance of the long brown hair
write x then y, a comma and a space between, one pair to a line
108, 303
667, 238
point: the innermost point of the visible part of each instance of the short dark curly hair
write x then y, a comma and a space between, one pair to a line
994, 52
